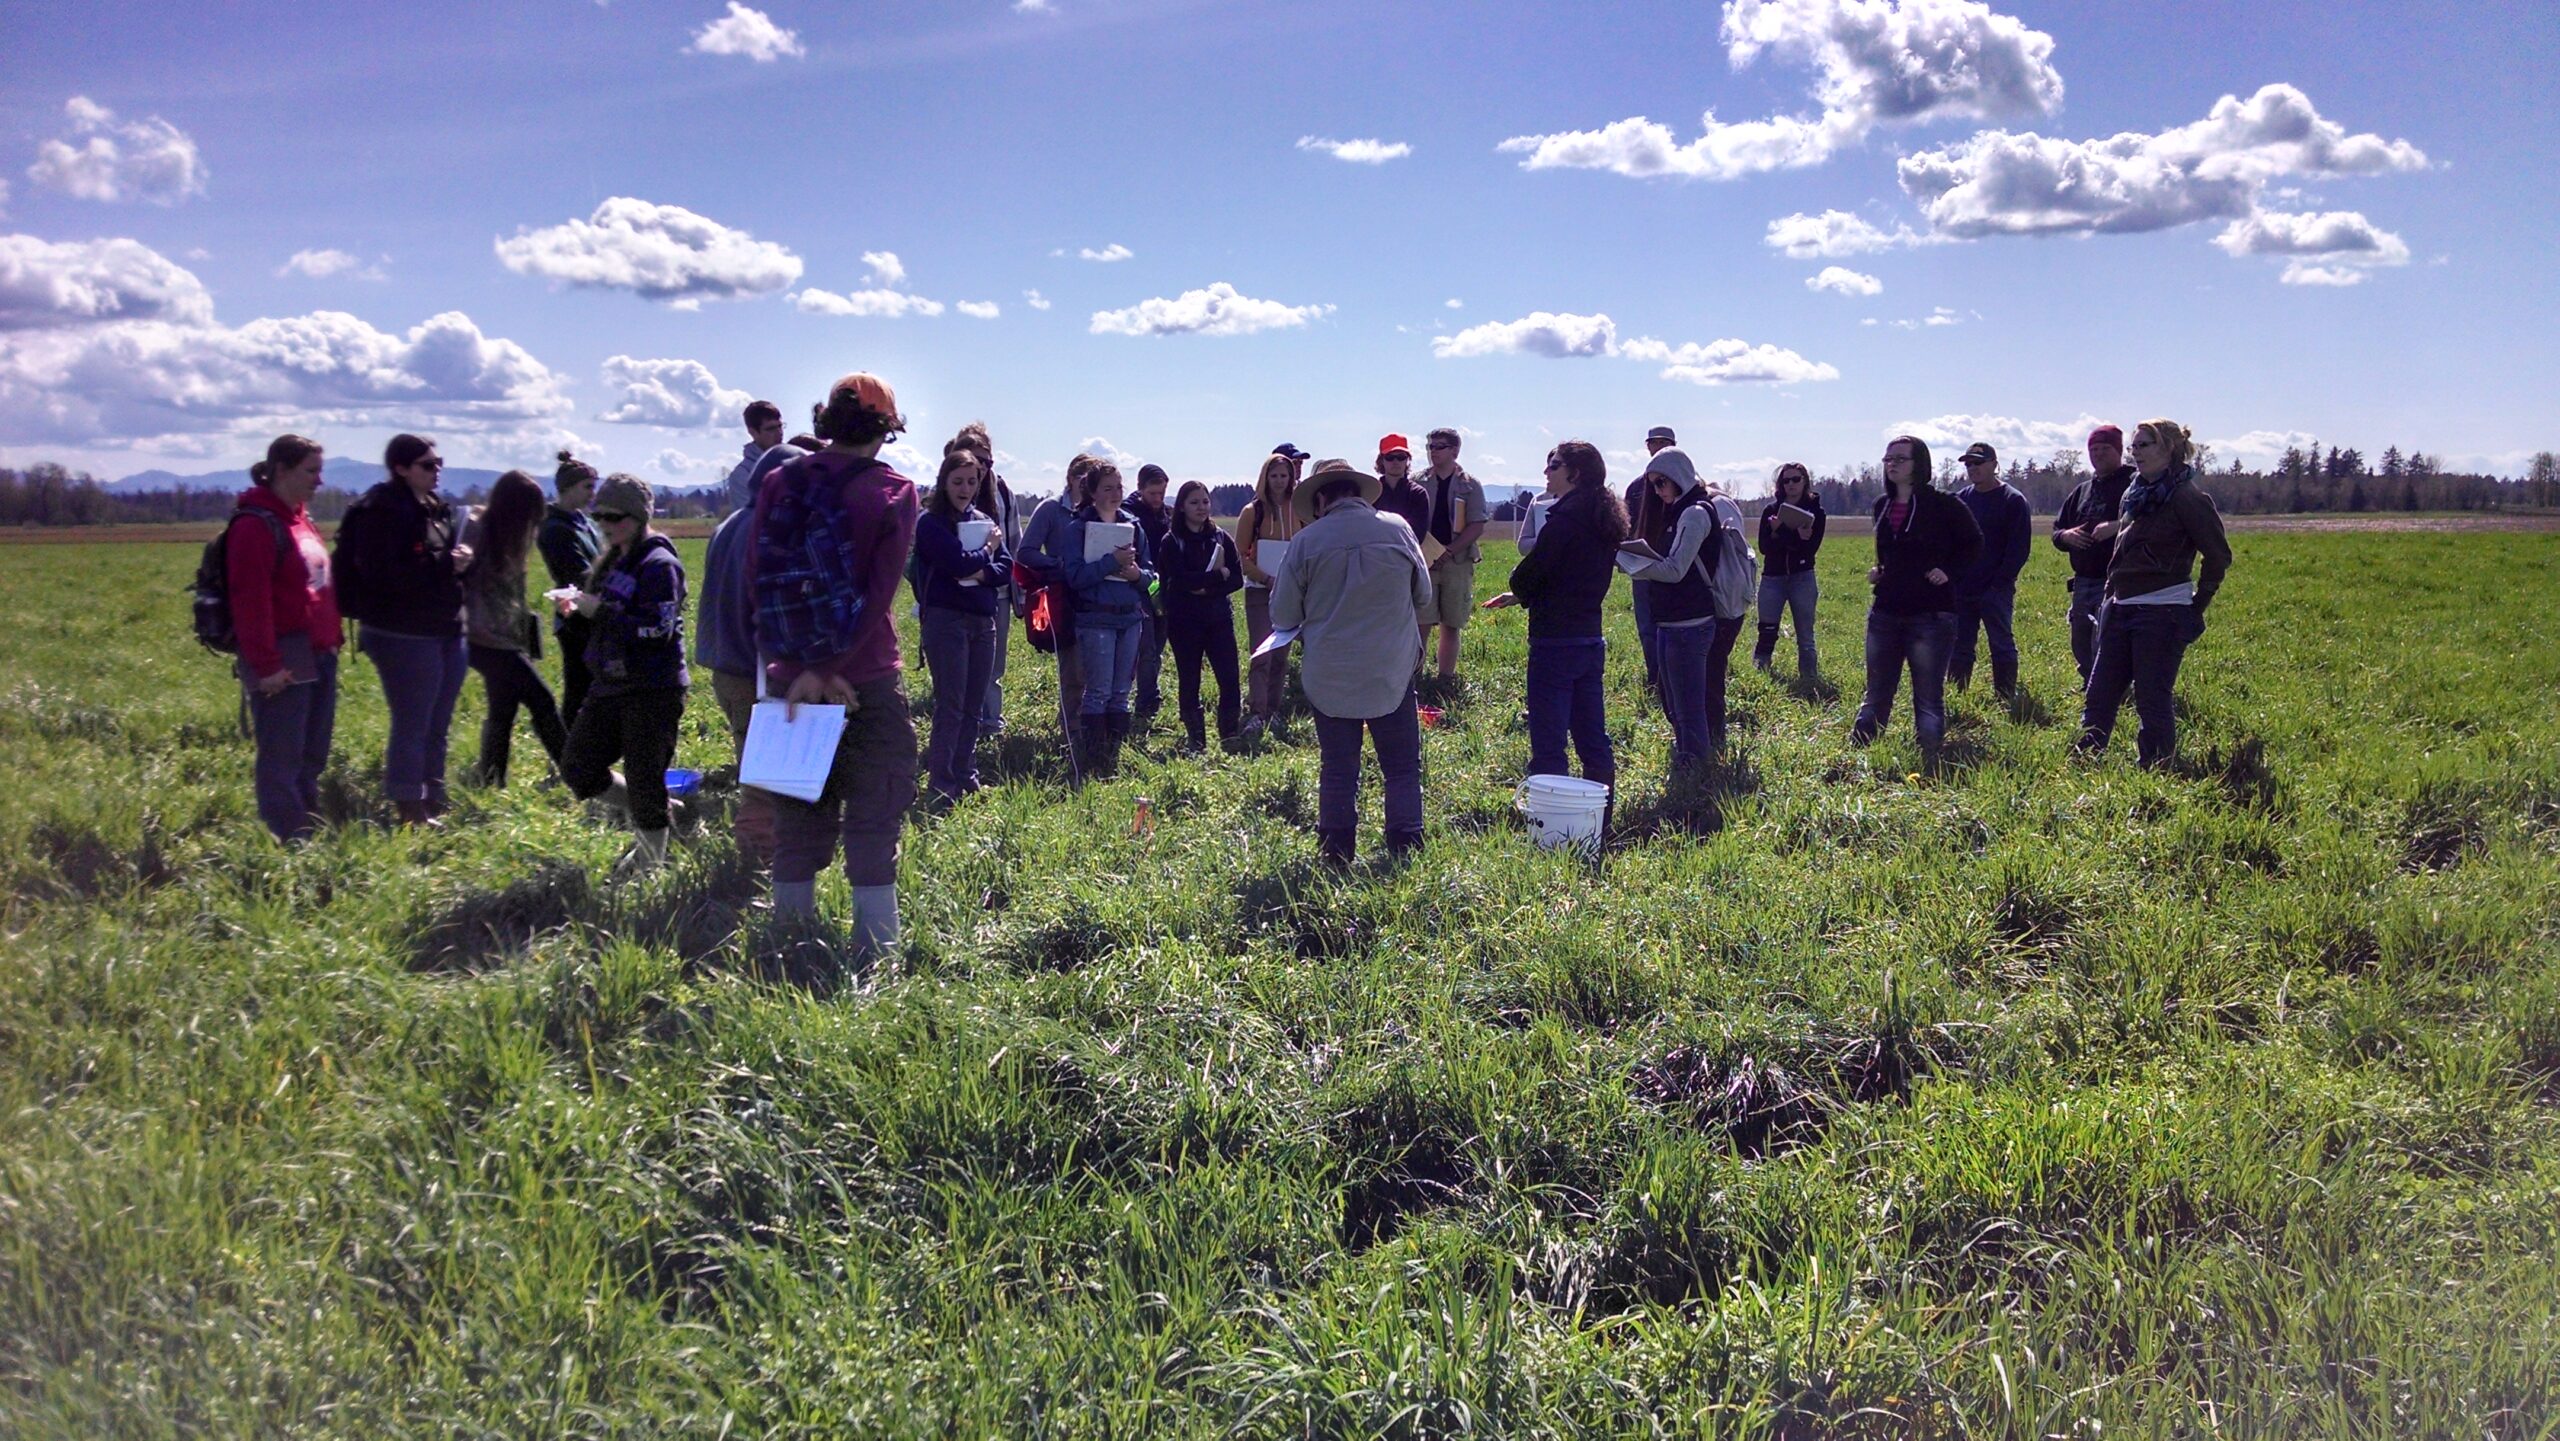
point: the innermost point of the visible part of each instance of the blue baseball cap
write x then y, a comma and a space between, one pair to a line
1291, 451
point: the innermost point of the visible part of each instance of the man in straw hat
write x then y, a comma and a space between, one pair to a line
1350, 588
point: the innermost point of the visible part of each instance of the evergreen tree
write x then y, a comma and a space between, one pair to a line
2393, 467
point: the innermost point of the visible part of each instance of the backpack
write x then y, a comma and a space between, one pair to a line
1733, 571
214, 628
810, 590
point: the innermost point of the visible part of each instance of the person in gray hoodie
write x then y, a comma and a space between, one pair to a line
1676, 520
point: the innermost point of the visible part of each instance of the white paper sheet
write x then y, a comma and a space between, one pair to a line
974, 533
1635, 555
1102, 537
791, 755
1277, 640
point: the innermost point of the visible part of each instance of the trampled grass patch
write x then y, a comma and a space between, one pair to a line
2026, 1098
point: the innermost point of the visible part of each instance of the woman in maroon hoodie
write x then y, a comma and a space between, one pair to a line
285, 610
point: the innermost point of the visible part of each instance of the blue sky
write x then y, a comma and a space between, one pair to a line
554, 220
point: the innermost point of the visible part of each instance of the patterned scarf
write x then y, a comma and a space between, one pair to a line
2144, 496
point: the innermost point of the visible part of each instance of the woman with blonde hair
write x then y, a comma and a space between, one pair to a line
2155, 598
1269, 516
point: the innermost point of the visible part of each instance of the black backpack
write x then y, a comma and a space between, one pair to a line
212, 587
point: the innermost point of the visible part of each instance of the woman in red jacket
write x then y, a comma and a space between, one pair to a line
285, 611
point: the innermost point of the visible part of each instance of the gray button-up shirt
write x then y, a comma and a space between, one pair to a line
1352, 582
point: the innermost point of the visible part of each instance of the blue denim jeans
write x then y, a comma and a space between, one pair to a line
2139, 649
1398, 737
1922, 642
421, 679
1641, 594
293, 728
1681, 653
1781, 596
1150, 667
1565, 698
2087, 594
959, 653
1107, 648
1989, 613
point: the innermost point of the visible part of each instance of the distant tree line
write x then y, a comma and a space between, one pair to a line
2304, 479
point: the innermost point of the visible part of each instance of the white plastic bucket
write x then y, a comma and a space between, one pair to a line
1561, 810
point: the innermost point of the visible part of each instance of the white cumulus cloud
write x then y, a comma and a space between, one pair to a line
2332, 247
1541, 332
148, 383
48, 284
886, 268
1875, 63
866, 304
2014, 438
979, 309
747, 33
1841, 280
1999, 183
150, 160
1107, 255
658, 252
693, 469
1217, 310
322, 264
1358, 152
2260, 449
1834, 234
1577, 337
1035, 300
678, 394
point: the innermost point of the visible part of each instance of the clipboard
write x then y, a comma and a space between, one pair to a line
1101, 537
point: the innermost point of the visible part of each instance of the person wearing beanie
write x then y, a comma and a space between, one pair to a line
634, 594
570, 544
399, 562
2085, 530
1146, 502
871, 509
1987, 592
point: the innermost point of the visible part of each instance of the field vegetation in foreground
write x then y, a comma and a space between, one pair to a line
2031, 1099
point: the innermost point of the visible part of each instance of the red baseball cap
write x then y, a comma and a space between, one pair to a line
1390, 444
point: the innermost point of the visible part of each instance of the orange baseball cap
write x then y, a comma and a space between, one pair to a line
873, 392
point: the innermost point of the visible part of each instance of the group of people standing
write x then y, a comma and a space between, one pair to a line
1368, 577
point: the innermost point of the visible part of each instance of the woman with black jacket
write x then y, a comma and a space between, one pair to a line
1788, 545
1564, 582
635, 594
1924, 539
1199, 569
399, 564
961, 580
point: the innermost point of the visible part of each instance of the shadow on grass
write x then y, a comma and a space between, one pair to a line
72, 861
1691, 802
485, 929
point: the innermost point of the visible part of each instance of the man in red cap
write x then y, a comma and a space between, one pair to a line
1397, 494
839, 648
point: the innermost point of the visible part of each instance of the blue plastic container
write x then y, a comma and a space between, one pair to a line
682, 782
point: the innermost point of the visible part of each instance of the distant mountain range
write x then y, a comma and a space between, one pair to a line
351, 477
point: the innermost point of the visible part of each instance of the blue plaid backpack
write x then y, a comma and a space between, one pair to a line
809, 582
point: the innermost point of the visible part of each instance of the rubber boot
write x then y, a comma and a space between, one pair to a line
875, 920
1116, 730
1336, 847
795, 898
1097, 748
648, 853
1766, 647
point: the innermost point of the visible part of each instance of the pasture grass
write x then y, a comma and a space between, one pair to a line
2027, 1099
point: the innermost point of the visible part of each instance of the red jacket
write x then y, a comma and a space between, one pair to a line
277, 595
880, 508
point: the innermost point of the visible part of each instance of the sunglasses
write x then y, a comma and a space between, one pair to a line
2146, 444
1439, 445
1977, 460
608, 517
430, 463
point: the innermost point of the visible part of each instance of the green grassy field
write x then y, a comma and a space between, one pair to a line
2031, 1099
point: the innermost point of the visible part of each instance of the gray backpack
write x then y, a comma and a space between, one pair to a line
1733, 575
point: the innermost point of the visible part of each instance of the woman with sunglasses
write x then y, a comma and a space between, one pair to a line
2155, 596
1564, 583
1791, 528
399, 564
635, 595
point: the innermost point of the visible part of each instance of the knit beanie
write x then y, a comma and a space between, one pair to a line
623, 494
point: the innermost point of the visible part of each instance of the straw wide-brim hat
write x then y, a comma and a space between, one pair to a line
1303, 500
